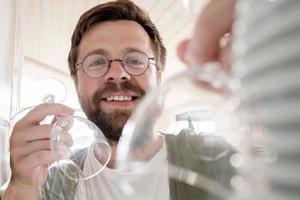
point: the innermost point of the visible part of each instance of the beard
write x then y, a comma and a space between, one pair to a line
111, 124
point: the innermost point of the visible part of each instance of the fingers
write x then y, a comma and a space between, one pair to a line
213, 23
28, 151
24, 151
37, 159
30, 147
225, 55
31, 134
36, 115
182, 50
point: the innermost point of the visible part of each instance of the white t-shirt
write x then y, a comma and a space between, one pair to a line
106, 185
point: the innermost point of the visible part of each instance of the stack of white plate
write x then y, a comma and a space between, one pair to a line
267, 54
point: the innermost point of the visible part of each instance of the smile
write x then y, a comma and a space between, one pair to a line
119, 98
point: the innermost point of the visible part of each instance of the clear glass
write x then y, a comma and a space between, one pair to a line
49, 90
178, 108
72, 137
75, 136
76, 141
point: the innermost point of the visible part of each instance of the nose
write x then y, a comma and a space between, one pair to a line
116, 73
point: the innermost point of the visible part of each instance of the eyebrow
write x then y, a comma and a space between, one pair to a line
97, 51
106, 53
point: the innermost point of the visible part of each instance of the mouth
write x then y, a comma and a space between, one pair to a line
120, 100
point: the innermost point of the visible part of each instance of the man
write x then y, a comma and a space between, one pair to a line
116, 56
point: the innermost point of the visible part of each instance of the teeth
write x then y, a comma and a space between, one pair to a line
109, 98
119, 98
116, 98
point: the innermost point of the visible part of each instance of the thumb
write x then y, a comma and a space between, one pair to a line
182, 50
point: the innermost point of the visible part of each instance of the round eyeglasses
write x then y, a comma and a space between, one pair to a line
96, 65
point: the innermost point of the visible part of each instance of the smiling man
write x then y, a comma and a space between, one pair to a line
117, 59
114, 71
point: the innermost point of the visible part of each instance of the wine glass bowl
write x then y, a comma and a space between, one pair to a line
74, 136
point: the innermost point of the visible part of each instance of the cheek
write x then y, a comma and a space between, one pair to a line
86, 88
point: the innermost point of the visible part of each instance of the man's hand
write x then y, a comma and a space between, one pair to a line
30, 151
213, 24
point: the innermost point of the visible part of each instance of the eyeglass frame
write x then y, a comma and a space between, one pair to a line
110, 61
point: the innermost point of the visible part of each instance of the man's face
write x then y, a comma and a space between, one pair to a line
109, 101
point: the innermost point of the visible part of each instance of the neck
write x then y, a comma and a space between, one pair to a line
112, 161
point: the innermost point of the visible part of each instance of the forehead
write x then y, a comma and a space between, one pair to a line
115, 37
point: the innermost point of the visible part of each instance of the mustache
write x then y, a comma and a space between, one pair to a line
113, 87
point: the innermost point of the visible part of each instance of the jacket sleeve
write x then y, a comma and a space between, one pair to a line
183, 153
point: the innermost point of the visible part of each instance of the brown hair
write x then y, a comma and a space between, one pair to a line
112, 11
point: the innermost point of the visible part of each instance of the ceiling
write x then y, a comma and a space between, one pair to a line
49, 25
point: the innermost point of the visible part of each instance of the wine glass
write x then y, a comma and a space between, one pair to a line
204, 121
81, 150
48, 90
74, 136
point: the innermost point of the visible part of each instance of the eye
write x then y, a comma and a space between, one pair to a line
96, 63
134, 62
